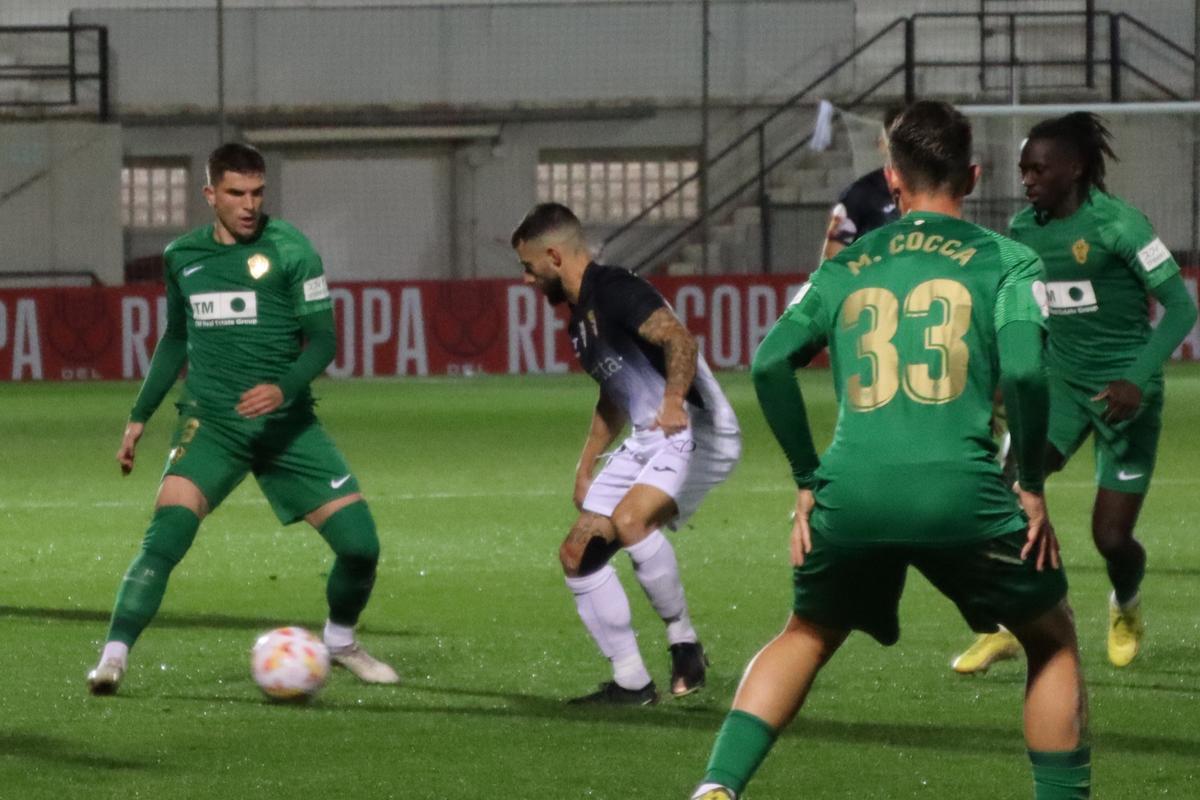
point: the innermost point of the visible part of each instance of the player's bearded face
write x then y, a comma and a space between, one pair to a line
541, 271
237, 200
1048, 173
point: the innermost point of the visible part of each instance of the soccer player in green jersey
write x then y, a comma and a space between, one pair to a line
922, 317
1102, 260
244, 294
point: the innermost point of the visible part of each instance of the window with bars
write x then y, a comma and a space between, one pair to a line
614, 187
154, 194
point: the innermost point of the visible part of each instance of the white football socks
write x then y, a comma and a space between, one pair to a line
337, 636
115, 651
604, 609
657, 571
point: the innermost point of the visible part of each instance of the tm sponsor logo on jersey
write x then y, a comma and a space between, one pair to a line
218, 309
1071, 297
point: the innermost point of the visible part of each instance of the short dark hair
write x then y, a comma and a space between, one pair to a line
1087, 136
889, 115
235, 157
930, 146
542, 219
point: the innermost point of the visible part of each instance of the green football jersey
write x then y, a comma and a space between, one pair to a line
243, 303
910, 313
1101, 263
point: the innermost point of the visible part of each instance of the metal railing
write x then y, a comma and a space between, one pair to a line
768, 159
70, 72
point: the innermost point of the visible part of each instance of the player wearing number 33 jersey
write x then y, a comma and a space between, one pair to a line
910, 314
924, 318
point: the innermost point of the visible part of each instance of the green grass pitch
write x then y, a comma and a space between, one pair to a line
470, 481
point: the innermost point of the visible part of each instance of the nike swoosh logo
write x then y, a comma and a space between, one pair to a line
336, 483
663, 469
1129, 476
191, 270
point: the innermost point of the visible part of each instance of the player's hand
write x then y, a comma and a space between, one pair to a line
583, 482
672, 416
801, 532
261, 399
1123, 399
1040, 539
125, 453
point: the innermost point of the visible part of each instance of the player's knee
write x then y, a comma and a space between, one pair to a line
350, 532
1111, 539
569, 555
631, 526
171, 533
583, 559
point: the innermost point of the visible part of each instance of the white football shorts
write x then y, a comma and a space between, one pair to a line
685, 466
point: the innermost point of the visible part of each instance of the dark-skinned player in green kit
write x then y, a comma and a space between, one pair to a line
923, 318
249, 314
1103, 263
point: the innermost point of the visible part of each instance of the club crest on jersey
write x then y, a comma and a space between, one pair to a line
258, 264
1080, 251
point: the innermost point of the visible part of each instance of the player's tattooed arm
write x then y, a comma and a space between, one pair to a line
664, 329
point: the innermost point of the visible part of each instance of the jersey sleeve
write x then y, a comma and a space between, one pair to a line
627, 299
310, 292
792, 341
809, 309
1022, 293
1133, 238
170, 354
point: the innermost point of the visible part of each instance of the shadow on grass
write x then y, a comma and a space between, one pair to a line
175, 620
699, 716
1099, 567
35, 746
1095, 679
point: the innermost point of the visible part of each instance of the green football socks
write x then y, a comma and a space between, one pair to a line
350, 532
1063, 775
171, 532
742, 743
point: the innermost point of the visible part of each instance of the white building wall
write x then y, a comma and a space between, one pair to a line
59, 185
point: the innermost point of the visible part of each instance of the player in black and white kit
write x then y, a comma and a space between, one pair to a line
684, 441
865, 205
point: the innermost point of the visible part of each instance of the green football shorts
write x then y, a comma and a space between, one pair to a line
859, 588
296, 464
1125, 452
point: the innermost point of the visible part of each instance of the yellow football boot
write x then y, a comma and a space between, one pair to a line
1125, 631
987, 650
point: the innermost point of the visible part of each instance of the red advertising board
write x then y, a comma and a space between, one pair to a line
394, 328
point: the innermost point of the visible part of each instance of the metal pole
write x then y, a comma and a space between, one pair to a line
1114, 58
1089, 44
71, 67
764, 201
704, 135
220, 72
104, 110
910, 47
1014, 72
1195, 254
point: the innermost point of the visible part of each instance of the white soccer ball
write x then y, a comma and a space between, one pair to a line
289, 663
